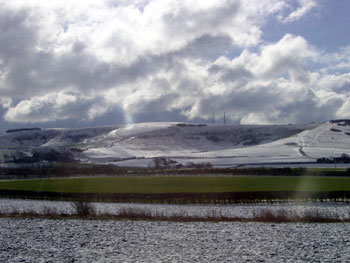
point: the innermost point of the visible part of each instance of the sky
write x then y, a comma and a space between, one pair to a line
86, 63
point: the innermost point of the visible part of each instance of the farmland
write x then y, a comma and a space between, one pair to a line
182, 145
180, 184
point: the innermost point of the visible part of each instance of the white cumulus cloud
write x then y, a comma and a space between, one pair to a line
69, 60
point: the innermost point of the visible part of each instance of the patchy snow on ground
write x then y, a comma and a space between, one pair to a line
40, 240
221, 145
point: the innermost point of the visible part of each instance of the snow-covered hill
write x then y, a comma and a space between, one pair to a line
218, 144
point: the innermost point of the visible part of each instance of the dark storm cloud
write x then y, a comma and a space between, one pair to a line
174, 116
309, 110
17, 35
240, 103
228, 75
206, 47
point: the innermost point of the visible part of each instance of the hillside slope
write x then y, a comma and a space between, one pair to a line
219, 144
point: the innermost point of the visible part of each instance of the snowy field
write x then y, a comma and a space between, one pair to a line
221, 145
41, 240
244, 211
38, 240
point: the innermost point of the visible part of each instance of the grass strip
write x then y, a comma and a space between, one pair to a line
180, 184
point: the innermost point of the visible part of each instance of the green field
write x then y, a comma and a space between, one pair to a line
315, 170
181, 184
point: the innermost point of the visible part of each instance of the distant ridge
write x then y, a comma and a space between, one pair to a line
138, 144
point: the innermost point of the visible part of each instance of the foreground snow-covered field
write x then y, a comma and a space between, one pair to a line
41, 240
221, 145
38, 240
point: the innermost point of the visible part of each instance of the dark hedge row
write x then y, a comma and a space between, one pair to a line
60, 170
66, 170
23, 129
286, 171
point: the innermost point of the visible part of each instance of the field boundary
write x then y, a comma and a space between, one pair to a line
186, 198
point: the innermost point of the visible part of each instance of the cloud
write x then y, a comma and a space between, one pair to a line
343, 112
54, 107
339, 84
271, 86
286, 55
305, 7
336, 62
5, 102
89, 60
